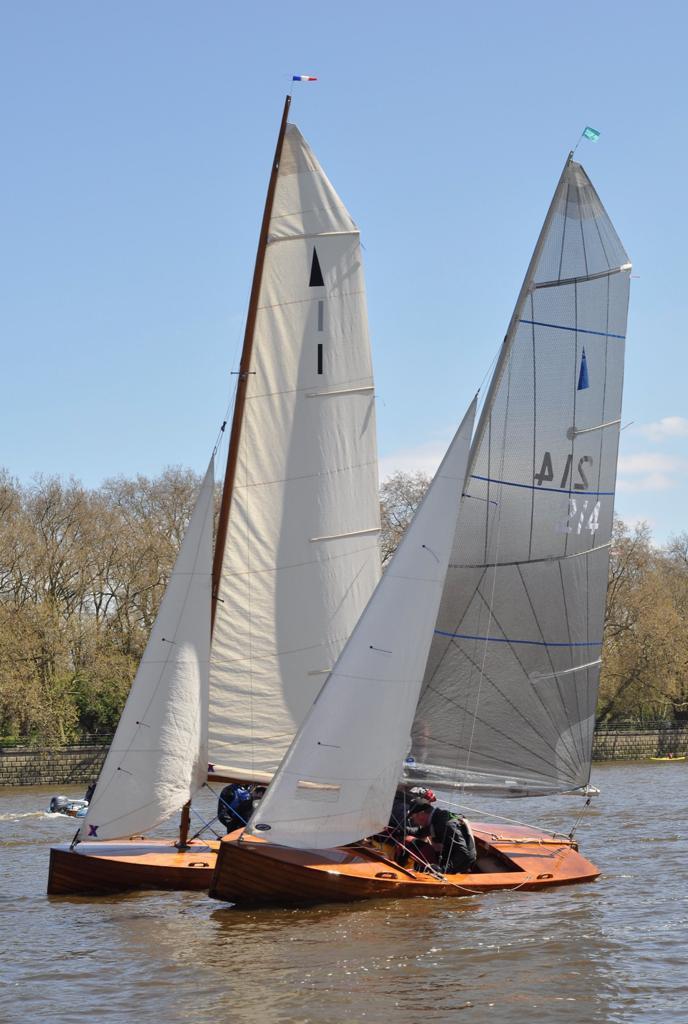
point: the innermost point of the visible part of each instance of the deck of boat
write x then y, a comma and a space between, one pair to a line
100, 868
251, 871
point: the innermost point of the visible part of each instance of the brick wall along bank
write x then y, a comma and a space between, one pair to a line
34, 766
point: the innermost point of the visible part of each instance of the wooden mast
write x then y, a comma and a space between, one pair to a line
244, 369
239, 404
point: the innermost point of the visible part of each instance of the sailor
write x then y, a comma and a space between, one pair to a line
448, 834
403, 800
234, 806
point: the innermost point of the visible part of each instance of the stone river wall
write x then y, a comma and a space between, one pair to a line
36, 766
79, 765
610, 745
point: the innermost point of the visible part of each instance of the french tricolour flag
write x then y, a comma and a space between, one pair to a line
303, 78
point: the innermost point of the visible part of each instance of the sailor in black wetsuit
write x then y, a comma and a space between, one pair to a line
449, 835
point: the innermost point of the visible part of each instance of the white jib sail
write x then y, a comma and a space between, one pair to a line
158, 757
301, 558
508, 701
337, 782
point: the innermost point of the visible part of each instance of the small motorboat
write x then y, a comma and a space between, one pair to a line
70, 808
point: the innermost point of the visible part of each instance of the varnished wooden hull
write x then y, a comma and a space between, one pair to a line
251, 871
99, 868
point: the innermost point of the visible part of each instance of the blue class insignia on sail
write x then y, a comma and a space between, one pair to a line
583, 381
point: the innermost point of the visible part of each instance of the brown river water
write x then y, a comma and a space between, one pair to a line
611, 951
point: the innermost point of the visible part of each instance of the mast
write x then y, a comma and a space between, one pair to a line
244, 369
239, 404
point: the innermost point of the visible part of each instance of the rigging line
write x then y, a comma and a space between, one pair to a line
205, 825
435, 871
503, 817
579, 818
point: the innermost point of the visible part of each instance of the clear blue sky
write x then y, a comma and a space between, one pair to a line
137, 139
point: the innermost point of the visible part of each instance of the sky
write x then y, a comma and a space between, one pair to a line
138, 138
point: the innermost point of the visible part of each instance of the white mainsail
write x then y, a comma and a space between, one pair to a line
301, 558
337, 781
509, 694
158, 756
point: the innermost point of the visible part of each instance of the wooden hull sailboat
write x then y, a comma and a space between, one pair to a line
101, 868
253, 872
247, 634
476, 662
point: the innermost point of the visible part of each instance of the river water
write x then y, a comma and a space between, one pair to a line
611, 951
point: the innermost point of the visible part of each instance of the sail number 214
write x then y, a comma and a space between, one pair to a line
580, 483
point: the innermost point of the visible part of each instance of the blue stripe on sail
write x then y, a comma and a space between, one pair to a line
532, 487
506, 640
578, 330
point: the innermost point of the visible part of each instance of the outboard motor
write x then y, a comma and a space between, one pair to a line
58, 804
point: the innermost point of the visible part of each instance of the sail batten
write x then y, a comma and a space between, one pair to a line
524, 597
556, 283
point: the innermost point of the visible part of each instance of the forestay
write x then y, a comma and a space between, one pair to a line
337, 782
158, 756
301, 558
509, 694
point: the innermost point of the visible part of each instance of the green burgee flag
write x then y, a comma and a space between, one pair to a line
591, 133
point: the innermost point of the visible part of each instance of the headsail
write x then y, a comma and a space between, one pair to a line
301, 558
509, 694
158, 757
337, 782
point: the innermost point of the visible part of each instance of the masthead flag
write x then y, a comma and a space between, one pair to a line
304, 78
591, 133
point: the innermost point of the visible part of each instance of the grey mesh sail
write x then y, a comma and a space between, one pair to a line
508, 699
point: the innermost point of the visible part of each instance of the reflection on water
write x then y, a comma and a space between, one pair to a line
612, 951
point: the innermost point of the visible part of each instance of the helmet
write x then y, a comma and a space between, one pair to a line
422, 793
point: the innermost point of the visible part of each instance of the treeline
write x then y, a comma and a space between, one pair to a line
82, 573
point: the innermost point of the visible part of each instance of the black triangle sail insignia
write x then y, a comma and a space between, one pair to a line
316, 280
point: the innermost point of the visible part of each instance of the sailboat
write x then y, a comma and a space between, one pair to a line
475, 665
296, 554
